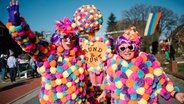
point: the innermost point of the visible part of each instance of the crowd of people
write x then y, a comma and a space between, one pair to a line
130, 76
11, 67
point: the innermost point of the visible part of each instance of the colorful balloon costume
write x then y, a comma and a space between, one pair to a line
89, 20
64, 76
140, 80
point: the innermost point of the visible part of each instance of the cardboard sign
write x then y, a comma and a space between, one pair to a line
94, 52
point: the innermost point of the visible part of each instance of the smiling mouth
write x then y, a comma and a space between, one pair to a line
127, 54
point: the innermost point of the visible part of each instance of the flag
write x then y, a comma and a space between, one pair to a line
151, 25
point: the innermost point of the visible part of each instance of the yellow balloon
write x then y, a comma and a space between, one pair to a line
73, 96
81, 70
45, 97
170, 87
53, 70
128, 73
142, 101
158, 71
122, 96
58, 81
140, 90
114, 67
69, 84
59, 95
118, 84
47, 86
65, 74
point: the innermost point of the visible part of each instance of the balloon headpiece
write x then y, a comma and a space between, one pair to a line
130, 36
88, 19
64, 27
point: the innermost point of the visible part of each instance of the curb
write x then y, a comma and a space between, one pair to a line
177, 75
26, 97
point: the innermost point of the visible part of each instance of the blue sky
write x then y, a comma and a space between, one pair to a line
42, 14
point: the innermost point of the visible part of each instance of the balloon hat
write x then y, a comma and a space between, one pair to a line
88, 19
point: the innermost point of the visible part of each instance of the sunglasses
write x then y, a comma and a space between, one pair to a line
130, 47
72, 38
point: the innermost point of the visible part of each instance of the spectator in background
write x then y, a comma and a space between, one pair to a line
2, 67
172, 53
34, 68
154, 47
167, 55
166, 50
12, 64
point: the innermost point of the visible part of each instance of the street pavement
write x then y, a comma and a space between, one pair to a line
12, 92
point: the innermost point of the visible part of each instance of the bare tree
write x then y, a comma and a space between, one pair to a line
135, 16
181, 19
138, 15
168, 20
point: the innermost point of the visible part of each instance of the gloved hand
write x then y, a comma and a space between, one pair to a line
13, 11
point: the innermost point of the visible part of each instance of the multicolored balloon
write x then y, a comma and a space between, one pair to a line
88, 19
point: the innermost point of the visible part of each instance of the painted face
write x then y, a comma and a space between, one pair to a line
127, 51
68, 42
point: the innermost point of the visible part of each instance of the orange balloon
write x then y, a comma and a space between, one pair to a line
144, 57
60, 49
129, 83
50, 95
76, 72
114, 96
134, 68
146, 96
162, 81
132, 102
53, 83
69, 91
69, 64
146, 86
53, 63
64, 80
64, 99
8, 24
14, 34
42, 101
73, 88
72, 52
79, 63
150, 70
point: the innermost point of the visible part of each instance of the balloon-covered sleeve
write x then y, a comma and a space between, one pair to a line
29, 42
165, 87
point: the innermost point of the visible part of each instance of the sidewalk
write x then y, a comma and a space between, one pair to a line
10, 92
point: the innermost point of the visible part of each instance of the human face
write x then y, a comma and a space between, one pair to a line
127, 51
68, 42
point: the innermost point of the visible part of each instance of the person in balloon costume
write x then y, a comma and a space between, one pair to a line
134, 76
61, 63
97, 49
